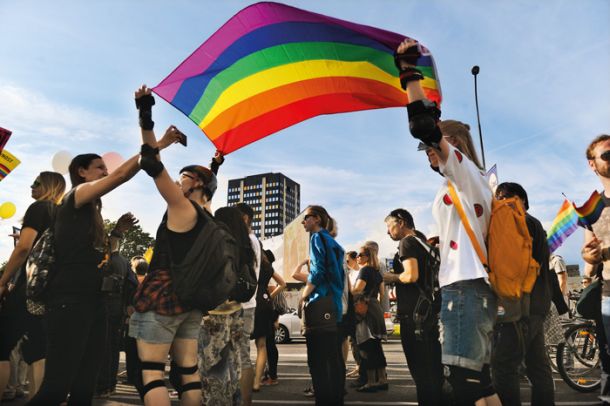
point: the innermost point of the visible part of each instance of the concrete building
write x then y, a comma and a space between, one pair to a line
275, 198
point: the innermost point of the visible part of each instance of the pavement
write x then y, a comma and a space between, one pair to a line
294, 377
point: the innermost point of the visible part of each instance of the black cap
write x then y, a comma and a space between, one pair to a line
210, 183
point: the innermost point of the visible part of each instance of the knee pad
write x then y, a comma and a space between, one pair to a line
149, 366
467, 385
175, 378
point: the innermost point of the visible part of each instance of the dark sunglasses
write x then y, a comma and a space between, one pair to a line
362, 254
605, 156
308, 216
35, 184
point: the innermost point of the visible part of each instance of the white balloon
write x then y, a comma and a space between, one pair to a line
61, 162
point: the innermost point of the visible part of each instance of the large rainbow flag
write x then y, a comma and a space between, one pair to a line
271, 66
8, 162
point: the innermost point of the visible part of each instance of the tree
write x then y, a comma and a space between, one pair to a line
135, 242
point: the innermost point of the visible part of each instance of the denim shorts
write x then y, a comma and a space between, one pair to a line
158, 329
468, 315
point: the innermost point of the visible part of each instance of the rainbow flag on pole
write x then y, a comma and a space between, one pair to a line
8, 162
589, 212
565, 223
272, 66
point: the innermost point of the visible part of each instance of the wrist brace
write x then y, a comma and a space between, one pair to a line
149, 162
423, 118
409, 75
410, 56
144, 105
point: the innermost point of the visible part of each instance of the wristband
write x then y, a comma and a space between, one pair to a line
146, 122
410, 75
423, 117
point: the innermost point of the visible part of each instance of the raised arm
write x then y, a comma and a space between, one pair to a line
181, 214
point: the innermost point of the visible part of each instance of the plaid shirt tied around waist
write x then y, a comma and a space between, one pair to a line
156, 293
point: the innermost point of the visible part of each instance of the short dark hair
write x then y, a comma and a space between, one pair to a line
246, 210
511, 189
141, 266
402, 214
351, 254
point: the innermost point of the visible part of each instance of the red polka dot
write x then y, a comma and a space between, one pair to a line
458, 154
447, 200
453, 245
478, 209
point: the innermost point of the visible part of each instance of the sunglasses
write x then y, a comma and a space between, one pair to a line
362, 254
186, 175
308, 216
35, 184
605, 156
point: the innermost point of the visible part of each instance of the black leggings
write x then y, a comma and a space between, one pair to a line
272, 355
326, 367
76, 336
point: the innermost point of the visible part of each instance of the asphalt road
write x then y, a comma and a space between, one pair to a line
294, 378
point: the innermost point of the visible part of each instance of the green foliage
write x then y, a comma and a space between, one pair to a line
135, 242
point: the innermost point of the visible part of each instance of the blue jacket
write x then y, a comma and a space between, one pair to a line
326, 269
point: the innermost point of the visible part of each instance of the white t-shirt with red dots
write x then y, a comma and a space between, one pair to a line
459, 260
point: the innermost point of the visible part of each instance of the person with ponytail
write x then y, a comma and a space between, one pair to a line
326, 278
469, 306
15, 321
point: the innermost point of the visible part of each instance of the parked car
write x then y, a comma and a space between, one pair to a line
290, 327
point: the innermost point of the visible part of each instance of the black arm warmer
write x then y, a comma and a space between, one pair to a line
423, 118
410, 75
149, 162
144, 105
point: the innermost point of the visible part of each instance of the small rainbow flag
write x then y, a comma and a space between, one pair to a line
8, 162
565, 223
589, 212
272, 66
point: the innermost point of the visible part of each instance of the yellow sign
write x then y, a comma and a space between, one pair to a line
8, 162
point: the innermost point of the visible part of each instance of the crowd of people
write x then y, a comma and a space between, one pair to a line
459, 338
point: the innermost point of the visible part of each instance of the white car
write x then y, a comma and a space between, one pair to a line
290, 326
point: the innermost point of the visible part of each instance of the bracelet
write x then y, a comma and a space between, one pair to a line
410, 75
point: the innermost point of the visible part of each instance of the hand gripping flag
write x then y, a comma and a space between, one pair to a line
272, 66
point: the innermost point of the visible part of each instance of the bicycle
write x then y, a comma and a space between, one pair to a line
578, 357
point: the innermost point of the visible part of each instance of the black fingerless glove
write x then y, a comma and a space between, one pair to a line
423, 118
410, 75
149, 162
144, 105
410, 56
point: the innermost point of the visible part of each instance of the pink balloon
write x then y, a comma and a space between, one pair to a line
112, 160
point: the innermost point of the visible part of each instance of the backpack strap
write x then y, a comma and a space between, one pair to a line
473, 239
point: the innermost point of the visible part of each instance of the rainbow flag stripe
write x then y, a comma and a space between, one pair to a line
272, 66
565, 223
589, 212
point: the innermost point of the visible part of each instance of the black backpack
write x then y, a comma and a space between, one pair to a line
428, 303
245, 285
208, 274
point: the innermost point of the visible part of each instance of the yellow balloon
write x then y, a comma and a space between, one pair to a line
7, 210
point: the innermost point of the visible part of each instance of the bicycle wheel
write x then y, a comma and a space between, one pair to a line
551, 353
578, 359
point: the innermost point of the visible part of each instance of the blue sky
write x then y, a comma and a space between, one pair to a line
69, 69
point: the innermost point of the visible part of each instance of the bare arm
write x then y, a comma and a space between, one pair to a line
18, 256
590, 270
181, 215
298, 273
281, 285
309, 288
411, 271
359, 287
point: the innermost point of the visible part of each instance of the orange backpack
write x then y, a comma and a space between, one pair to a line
511, 268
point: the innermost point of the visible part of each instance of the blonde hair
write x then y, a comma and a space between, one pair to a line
461, 133
373, 261
52, 186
